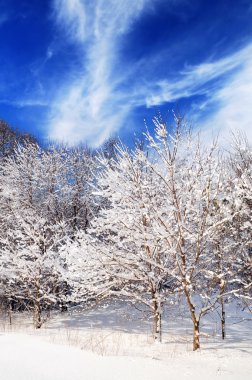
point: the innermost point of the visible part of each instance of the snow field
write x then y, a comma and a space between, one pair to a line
114, 343
25, 357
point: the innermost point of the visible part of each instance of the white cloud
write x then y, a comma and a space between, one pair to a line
230, 98
194, 80
91, 108
234, 110
71, 15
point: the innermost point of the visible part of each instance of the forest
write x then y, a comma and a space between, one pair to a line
167, 220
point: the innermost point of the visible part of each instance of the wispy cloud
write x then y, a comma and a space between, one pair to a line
92, 108
233, 104
25, 103
198, 80
95, 103
226, 84
71, 15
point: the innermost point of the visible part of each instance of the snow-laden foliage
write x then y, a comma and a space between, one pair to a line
127, 236
45, 197
85, 275
194, 180
168, 220
240, 200
31, 269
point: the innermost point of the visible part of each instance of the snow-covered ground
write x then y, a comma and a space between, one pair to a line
115, 343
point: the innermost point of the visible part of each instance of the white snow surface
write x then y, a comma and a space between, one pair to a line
107, 345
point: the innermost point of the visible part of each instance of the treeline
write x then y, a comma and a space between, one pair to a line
165, 221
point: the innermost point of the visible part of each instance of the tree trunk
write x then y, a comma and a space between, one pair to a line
195, 320
37, 315
37, 303
40, 309
223, 319
157, 322
222, 291
196, 342
10, 313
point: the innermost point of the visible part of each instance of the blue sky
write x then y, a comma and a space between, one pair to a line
82, 70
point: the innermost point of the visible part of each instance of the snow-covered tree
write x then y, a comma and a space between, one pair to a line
56, 182
126, 235
240, 200
80, 204
10, 139
32, 227
45, 199
193, 181
31, 267
87, 280
143, 225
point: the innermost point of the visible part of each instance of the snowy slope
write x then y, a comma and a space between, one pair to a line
24, 357
115, 343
